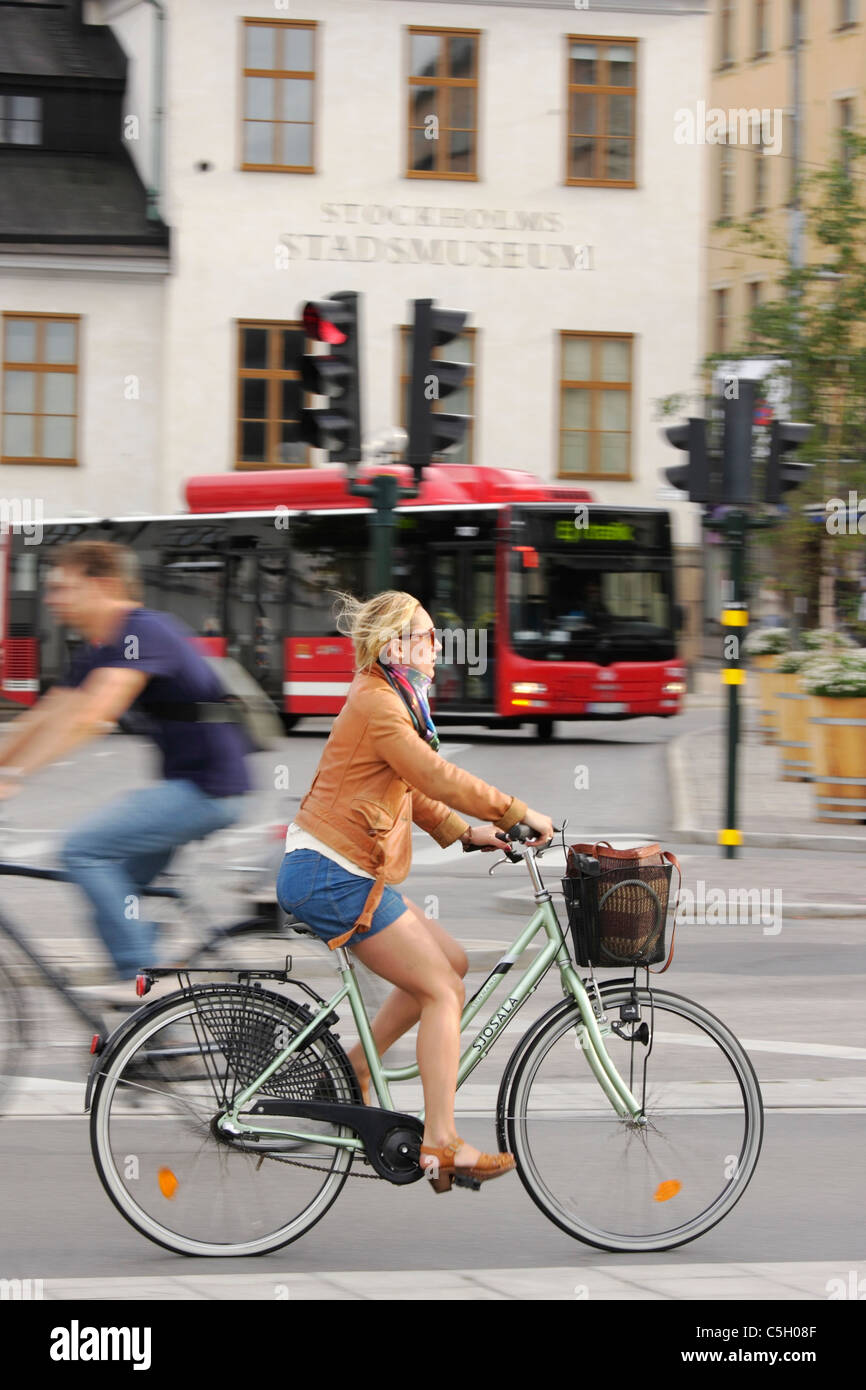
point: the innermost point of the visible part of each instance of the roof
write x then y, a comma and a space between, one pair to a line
57, 197
45, 38
311, 488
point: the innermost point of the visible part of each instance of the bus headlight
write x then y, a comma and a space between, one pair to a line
527, 688
674, 688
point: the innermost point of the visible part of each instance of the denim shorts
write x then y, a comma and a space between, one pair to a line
329, 900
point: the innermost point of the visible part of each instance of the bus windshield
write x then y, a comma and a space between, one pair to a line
589, 600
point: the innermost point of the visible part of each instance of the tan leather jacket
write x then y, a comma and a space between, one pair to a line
376, 776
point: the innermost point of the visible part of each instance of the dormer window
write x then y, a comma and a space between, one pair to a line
20, 120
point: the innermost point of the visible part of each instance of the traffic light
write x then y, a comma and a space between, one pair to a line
692, 477
432, 431
336, 427
739, 418
782, 474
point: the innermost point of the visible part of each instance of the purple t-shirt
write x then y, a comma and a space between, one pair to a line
211, 755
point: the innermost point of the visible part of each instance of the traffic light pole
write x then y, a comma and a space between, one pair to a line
734, 616
384, 492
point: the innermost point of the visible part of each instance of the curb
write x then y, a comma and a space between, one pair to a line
519, 903
684, 830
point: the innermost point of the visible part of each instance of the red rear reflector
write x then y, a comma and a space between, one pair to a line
142, 985
95, 1044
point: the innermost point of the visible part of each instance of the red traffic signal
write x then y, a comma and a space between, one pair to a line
322, 319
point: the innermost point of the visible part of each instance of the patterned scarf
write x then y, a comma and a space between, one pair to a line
411, 685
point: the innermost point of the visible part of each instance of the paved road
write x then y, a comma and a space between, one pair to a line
793, 994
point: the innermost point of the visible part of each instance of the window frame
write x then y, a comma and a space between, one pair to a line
268, 374
473, 83
760, 176
41, 368
726, 34
281, 75
721, 297
404, 341
39, 122
843, 23
601, 89
761, 30
596, 386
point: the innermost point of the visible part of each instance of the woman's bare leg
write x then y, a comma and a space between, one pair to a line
407, 955
401, 1011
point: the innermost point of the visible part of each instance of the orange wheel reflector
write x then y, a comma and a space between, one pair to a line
666, 1190
167, 1182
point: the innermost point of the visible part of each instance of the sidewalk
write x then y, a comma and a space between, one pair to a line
772, 814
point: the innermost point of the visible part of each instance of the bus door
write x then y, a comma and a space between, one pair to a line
255, 604
462, 604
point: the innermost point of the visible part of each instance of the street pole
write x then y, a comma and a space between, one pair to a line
383, 491
734, 616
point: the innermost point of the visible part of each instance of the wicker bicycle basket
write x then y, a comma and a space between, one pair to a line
617, 902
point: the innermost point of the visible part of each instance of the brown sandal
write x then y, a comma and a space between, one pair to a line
486, 1166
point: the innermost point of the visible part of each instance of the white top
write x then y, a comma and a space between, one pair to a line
296, 838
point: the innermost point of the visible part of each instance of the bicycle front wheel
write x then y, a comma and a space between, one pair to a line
162, 1159
650, 1183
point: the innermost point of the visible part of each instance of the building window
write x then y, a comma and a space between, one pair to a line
755, 292
846, 13
40, 388
761, 167
270, 395
595, 405
20, 120
460, 402
796, 22
727, 16
279, 86
845, 122
602, 101
727, 172
720, 320
443, 104
762, 44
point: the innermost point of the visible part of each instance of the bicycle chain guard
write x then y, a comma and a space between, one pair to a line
387, 1134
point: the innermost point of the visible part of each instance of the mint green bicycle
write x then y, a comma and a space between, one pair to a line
226, 1117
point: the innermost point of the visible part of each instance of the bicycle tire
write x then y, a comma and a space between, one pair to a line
516, 1089
283, 1012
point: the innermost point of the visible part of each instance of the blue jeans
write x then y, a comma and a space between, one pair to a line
116, 853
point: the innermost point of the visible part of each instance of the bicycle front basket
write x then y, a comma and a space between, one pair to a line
617, 915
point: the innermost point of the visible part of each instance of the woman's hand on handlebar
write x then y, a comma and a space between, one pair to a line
484, 837
542, 825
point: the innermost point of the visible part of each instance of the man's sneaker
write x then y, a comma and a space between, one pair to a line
122, 992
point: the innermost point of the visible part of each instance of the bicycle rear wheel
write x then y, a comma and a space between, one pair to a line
621, 1184
163, 1162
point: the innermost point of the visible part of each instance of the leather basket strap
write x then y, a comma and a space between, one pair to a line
671, 859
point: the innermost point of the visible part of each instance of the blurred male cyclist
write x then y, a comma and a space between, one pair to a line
130, 654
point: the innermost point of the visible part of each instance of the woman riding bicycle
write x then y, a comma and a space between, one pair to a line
352, 838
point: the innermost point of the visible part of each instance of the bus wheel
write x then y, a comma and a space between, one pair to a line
544, 729
289, 721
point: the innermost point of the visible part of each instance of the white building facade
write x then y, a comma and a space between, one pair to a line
516, 161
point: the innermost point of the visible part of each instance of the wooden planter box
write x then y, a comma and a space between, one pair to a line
792, 703
837, 735
768, 684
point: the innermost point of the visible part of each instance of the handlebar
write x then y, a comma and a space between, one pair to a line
518, 833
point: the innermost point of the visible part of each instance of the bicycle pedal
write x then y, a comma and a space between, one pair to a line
472, 1183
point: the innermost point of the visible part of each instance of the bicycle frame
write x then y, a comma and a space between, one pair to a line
555, 951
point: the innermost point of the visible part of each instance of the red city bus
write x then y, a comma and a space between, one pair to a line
548, 605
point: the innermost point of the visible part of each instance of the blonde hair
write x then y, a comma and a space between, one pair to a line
373, 624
